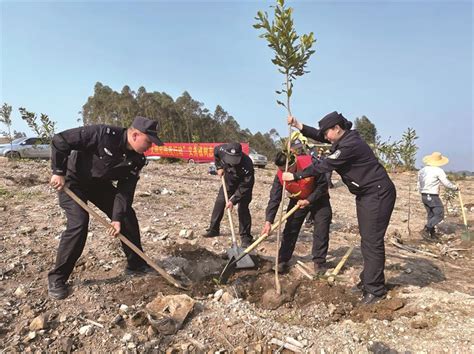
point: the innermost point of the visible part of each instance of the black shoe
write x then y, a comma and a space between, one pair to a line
320, 268
211, 233
358, 288
435, 235
426, 233
370, 299
245, 242
139, 271
283, 267
58, 290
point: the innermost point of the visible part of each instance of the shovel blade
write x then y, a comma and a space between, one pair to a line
245, 262
467, 236
227, 271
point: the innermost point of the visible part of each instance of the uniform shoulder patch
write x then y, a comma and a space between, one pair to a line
335, 154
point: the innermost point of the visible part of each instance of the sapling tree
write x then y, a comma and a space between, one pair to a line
44, 128
5, 119
291, 55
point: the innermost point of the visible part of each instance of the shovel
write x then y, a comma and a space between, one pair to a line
235, 251
232, 264
332, 276
465, 235
122, 238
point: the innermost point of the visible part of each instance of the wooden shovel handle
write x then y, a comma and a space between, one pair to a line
122, 238
341, 263
462, 209
229, 213
274, 227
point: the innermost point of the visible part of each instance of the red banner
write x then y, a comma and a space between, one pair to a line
196, 152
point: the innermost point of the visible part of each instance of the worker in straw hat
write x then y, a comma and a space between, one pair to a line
429, 178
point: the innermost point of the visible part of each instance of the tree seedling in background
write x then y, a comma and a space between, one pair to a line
44, 128
292, 53
5, 119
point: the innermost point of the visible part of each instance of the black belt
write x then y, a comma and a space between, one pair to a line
429, 194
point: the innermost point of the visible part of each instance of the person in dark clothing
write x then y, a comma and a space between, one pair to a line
365, 177
88, 160
311, 194
237, 169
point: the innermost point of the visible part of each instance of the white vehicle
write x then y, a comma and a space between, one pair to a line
26, 148
258, 159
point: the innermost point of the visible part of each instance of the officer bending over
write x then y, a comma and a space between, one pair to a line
87, 160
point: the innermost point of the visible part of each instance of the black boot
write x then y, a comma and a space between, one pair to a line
358, 288
140, 271
211, 233
370, 299
58, 290
246, 241
283, 267
320, 268
426, 234
435, 235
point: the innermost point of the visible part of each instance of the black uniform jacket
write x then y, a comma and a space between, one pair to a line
98, 153
240, 178
320, 190
353, 159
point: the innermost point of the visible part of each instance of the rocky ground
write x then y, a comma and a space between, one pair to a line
429, 307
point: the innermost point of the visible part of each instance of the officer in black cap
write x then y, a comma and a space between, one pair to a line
87, 160
237, 169
365, 177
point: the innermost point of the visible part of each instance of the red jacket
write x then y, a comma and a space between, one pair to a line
304, 187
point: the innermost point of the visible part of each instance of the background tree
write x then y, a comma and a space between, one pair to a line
182, 120
291, 59
408, 149
44, 128
17, 135
366, 129
5, 119
388, 153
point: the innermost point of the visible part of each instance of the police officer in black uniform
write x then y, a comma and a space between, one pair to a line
365, 177
237, 169
316, 202
87, 160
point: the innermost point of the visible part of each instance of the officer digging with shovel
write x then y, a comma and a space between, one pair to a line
87, 160
237, 169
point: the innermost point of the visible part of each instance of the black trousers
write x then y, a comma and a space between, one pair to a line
73, 239
373, 213
322, 215
245, 219
434, 209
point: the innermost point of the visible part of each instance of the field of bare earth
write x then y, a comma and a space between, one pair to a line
429, 308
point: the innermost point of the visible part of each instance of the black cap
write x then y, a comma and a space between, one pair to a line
148, 127
329, 121
232, 153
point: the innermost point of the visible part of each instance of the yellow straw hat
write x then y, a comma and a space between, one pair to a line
435, 159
